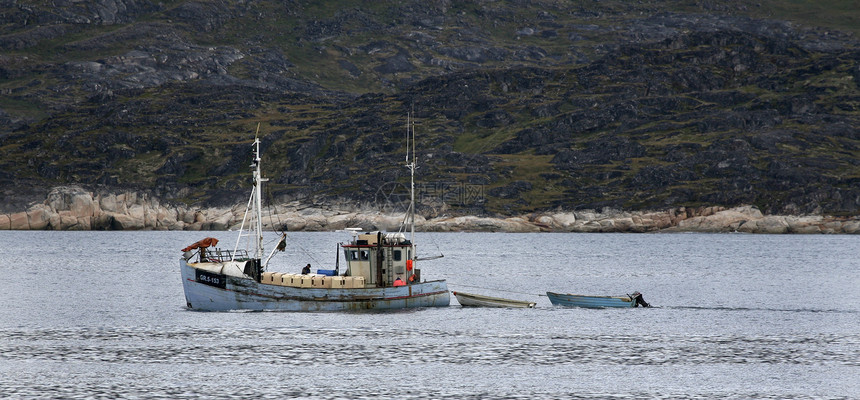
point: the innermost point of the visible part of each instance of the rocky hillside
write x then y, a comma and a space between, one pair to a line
519, 106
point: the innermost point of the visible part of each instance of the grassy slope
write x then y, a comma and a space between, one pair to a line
317, 60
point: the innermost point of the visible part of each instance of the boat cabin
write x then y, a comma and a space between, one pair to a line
381, 258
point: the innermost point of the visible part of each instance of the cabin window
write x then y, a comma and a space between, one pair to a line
363, 255
397, 255
353, 255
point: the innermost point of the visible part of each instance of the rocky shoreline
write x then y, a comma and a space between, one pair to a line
75, 208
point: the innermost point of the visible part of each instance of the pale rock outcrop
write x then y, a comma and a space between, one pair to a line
294, 222
19, 221
74, 199
68, 221
564, 220
341, 221
222, 220
852, 227
546, 222
588, 227
624, 224
137, 212
607, 225
165, 218
653, 221
316, 223
188, 216
388, 222
720, 221
199, 217
585, 216
121, 203
831, 227
127, 222
806, 224
101, 221
677, 215
74, 208
517, 224
38, 217
84, 223
768, 224
108, 203
808, 229
149, 218
482, 224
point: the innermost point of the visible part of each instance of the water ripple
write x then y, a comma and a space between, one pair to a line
356, 348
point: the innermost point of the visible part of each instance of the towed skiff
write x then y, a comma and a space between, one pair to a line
476, 300
576, 300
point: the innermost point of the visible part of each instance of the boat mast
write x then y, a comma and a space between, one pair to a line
411, 183
258, 184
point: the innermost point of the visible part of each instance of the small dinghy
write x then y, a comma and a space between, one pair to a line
576, 300
476, 300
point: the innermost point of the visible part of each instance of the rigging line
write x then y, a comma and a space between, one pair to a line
436, 244
402, 228
304, 250
270, 199
412, 209
242, 226
282, 226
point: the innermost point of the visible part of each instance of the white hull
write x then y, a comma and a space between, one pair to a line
216, 292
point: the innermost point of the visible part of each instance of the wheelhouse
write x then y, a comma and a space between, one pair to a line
382, 259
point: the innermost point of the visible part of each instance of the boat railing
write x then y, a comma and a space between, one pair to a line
219, 255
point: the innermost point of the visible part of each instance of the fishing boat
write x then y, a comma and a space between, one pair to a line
575, 300
381, 270
477, 300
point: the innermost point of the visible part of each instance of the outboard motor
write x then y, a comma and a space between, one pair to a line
637, 297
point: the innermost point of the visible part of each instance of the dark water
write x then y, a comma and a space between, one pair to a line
101, 315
